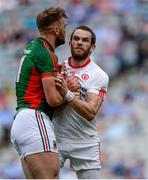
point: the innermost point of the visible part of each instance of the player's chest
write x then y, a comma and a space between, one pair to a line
84, 76
85, 79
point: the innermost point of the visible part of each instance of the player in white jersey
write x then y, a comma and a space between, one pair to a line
75, 124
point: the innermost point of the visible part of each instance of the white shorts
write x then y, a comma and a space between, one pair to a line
82, 156
32, 132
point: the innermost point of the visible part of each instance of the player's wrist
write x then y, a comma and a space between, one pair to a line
69, 96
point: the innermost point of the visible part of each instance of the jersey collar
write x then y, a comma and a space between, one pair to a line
49, 46
76, 67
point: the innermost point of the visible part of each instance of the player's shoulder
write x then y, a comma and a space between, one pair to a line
34, 47
40, 50
97, 68
98, 71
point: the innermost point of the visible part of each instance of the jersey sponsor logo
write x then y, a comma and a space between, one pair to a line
83, 92
85, 76
27, 51
72, 73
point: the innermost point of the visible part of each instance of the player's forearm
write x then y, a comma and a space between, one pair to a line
86, 110
55, 100
53, 96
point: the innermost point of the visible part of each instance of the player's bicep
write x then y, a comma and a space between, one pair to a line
52, 95
44, 64
48, 85
99, 86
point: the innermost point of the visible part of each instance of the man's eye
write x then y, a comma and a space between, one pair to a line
85, 40
76, 38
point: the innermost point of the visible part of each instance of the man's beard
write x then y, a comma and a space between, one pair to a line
60, 40
81, 56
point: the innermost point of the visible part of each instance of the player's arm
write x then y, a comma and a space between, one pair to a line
88, 109
45, 66
53, 97
73, 85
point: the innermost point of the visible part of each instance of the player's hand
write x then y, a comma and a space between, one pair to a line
62, 70
61, 84
76, 94
73, 83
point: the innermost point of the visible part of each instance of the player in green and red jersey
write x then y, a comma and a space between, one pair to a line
32, 130
38, 61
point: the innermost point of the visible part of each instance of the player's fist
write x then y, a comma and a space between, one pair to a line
73, 83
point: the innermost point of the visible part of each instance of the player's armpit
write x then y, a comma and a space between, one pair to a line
52, 95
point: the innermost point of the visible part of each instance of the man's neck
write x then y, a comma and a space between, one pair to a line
79, 63
50, 39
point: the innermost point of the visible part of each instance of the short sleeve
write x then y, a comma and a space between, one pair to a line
44, 64
99, 84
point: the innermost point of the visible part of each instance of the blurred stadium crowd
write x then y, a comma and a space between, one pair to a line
121, 27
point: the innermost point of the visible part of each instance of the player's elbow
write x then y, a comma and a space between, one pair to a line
54, 102
91, 116
92, 113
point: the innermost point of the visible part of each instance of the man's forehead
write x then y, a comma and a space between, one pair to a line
82, 33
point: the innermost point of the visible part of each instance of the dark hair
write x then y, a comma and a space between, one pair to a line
48, 16
93, 37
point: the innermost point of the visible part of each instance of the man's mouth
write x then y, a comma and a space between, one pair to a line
79, 49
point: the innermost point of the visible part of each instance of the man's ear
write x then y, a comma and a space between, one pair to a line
56, 30
93, 47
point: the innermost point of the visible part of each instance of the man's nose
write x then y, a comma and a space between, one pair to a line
80, 42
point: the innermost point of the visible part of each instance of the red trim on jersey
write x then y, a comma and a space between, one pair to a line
53, 57
47, 75
102, 93
87, 61
34, 91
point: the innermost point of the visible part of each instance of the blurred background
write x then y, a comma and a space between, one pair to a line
121, 27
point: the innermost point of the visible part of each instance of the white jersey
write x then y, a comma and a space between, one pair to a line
69, 125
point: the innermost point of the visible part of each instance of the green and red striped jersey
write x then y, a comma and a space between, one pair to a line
38, 61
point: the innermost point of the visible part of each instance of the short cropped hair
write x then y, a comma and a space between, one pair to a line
49, 16
86, 28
